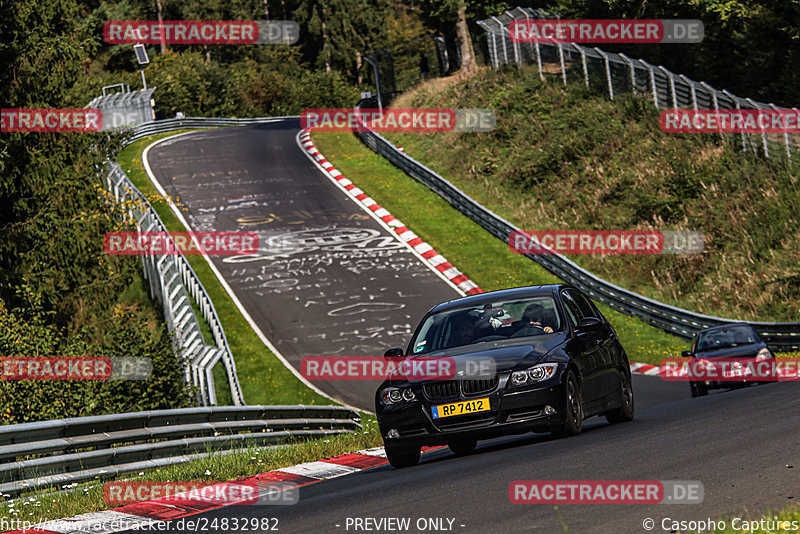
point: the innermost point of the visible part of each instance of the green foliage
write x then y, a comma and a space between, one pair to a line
59, 293
750, 47
572, 159
29, 331
336, 31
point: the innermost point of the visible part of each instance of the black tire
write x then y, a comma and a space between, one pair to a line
402, 457
698, 389
626, 409
463, 447
573, 407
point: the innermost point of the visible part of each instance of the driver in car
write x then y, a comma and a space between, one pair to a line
463, 332
535, 315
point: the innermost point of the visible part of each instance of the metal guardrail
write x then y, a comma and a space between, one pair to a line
170, 125
86, 448
172, 280
677, 321
620, 73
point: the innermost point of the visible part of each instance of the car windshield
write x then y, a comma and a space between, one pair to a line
488, 322
727, 337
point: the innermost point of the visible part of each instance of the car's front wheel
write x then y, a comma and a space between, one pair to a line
626, 408
698, 389
573, 416
402, 456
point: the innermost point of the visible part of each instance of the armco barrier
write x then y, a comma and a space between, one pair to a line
618, 73
88, 448
172, 280
682, 323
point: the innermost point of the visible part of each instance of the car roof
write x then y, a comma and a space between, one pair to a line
502, 294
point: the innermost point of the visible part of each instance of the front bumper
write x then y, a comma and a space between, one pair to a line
513, 411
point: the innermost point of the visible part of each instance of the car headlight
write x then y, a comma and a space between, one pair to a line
537, 373
764, 354
397, 396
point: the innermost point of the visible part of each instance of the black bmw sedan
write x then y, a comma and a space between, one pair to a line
736, 343
555, 360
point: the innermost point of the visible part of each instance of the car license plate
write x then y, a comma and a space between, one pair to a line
736, 372
460, 408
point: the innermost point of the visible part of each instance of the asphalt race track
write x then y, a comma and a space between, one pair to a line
742, 445
328, 280
738, 443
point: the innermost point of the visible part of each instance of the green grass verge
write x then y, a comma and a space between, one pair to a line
571, 159
46, 505
482, 257
264, 379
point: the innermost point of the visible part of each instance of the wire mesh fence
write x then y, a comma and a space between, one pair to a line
616, 74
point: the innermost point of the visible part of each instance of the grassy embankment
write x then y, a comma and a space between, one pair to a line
571, 159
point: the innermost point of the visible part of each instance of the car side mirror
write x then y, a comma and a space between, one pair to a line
588, 324
394, 352
686, 354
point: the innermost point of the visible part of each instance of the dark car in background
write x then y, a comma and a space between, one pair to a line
737, 342
556, 361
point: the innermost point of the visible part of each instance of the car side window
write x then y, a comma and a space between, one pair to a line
572, 308
587, 310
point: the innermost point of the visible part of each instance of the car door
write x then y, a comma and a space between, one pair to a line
585, 349
606, 337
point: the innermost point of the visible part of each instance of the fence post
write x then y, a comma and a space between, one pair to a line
633, 73
608, 72
763, 134
530, 45
503, 36
739, 108
515, 45
493, 54
690, 83
653, 84
786, 138
563, 68
713, 93
671, 79
583, 59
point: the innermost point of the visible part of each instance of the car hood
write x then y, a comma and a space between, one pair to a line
741, 351
507, 354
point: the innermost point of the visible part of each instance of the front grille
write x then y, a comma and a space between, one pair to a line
457, 424
474, 387
441, 390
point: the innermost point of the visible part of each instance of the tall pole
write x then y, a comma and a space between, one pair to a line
374, 64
